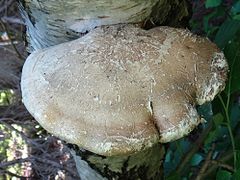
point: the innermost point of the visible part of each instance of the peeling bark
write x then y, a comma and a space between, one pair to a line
54, 22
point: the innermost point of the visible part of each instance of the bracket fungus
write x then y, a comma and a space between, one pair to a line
120, 89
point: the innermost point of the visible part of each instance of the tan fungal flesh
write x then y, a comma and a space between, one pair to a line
120, 89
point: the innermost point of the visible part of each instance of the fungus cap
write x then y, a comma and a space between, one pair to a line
120, 89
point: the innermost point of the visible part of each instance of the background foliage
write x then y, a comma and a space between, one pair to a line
26, 150
212, 151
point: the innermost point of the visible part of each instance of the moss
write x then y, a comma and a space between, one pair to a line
129, 166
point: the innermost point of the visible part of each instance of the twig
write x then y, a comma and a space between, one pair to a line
227, 113
6, 43
41, 160
206, 163
13, 174
14, 20
15, 161
226, 157
14, 129
6, 5
12, 43
221, 164
194, 149
30, 141
7, 49
53, 163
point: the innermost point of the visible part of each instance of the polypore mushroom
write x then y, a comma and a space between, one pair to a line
120, 89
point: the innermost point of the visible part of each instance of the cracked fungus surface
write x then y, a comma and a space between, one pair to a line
120, 89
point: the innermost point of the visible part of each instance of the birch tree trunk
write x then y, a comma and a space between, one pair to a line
51, 22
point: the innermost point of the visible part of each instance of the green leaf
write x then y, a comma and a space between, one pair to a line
218, 119
217, 105
227, 32
223, 175
173, 177
232, 53
236, 175
236, 17
236, 7
196, 159
206, 20
234, 114
212, 3
212, 136
205, 111
168, 156
238, 160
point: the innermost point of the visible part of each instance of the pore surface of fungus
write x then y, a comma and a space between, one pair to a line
120, 89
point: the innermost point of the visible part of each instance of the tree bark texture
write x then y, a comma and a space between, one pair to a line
144, 165
51, 22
